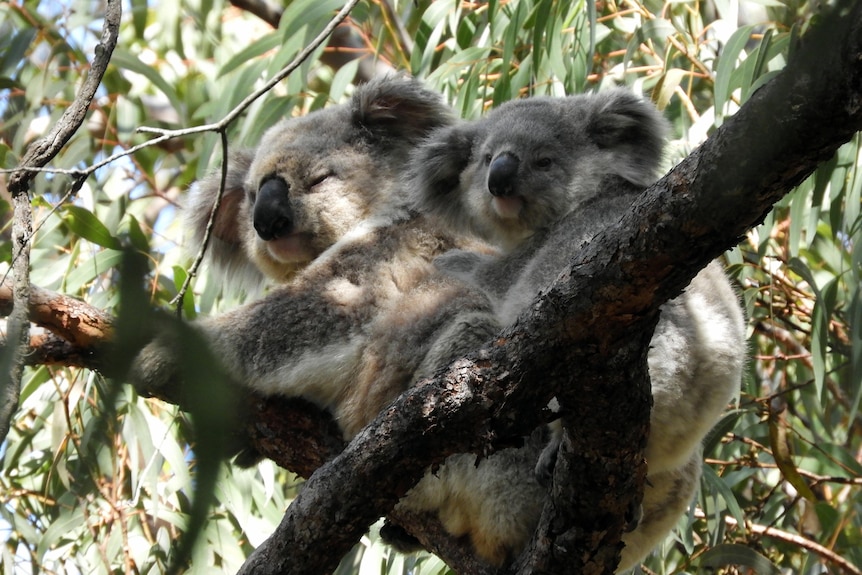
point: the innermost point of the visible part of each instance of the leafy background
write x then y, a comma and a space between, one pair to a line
98, 480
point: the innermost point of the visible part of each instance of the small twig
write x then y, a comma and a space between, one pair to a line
402, 38
193, 269
38, 155
794, 539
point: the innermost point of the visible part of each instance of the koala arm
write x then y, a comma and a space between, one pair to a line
696, 360
160, 368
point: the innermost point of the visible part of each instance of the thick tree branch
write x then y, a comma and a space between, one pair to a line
77, 322
609, 298
266, 11
590, 328
37, 156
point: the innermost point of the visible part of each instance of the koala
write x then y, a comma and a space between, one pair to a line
358, 311
310, 181
511, 178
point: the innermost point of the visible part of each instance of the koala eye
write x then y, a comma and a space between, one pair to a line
488, 158
320, 179
544, 162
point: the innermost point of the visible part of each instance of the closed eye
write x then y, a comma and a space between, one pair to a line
320, 179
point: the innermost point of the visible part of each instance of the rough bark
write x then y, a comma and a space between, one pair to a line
590, 321
586, 337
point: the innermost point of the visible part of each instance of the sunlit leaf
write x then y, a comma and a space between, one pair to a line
85, 224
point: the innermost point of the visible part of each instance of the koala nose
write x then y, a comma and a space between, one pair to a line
273, 216
502, 173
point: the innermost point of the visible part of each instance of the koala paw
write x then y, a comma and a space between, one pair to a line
397, 537
633, 518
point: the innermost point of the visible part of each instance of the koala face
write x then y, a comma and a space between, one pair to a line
306, 187
311, 179
530, 162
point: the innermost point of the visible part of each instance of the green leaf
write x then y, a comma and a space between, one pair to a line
726, 67
717, 485
180, 275
85, 224
132, 63
85, 273
139, 17
136, 235
261, 46
62, 528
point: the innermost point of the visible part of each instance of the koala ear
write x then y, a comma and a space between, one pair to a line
225, 252
398, 107
632, 130
434, 173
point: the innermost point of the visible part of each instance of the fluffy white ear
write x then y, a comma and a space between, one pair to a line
225, 253
632, 130
434, 174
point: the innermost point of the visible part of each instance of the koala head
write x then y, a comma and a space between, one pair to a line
311, 179
530, 162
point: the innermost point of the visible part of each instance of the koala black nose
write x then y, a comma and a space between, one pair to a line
502, 174
273, 216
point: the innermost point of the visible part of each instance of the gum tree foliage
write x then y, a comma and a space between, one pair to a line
96, 479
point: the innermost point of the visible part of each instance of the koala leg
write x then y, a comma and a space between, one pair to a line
494, 501
667, 495
467, 333
696, 359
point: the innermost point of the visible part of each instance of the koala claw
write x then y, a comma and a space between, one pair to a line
548, 461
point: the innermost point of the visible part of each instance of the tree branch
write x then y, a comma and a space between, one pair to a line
38, 155
591, 327
609, 298
266, 11
293, 433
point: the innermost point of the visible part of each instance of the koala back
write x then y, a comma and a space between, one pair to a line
310, 180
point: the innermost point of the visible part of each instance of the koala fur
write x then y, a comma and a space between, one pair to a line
310, 181
510, 178
359, 311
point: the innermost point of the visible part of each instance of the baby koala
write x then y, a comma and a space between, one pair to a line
511, 178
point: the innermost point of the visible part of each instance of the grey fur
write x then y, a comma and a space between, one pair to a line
364, 312
225, 255
583, 139
589, 155
340, 164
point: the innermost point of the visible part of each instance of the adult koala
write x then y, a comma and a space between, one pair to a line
512, 178
359, 311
